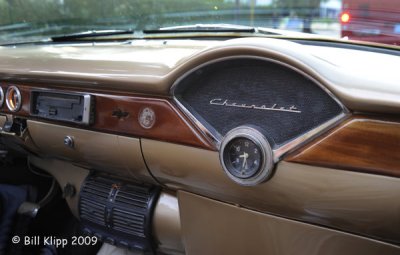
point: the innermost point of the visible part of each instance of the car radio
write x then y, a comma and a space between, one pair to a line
61, 106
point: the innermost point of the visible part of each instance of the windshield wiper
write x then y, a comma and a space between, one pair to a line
90, 34
211, 28
178, 31
214, 28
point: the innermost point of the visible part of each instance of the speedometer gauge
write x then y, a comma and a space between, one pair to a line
246, 156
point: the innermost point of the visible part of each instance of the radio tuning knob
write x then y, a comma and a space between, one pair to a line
69, 141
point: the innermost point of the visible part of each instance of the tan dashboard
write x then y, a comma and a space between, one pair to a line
337, 174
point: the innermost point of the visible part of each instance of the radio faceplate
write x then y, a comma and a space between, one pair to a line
61, 106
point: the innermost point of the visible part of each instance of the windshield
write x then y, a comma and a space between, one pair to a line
362, 20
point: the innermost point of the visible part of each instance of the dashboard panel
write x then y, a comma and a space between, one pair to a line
119, 114
162, 112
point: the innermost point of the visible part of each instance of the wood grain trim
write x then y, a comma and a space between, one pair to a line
359, 144
171, 124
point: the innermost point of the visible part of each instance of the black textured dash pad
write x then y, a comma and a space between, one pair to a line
256, 83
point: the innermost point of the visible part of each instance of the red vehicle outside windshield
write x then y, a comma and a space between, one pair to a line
371, 20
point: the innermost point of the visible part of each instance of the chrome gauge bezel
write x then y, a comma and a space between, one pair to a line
18, 104
1, 96
267, 163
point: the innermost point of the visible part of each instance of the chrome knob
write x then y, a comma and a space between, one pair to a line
69, 141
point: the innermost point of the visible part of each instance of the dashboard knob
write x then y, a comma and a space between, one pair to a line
69, 141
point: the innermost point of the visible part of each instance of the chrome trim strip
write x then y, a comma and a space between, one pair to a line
313, 133
206, 129
87, 102
215, 137
1, 96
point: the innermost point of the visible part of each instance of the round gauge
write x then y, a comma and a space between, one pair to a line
1, 96
243, 157
13, 99
246, 156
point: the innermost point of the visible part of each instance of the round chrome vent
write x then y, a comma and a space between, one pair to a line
13, 99
246, 156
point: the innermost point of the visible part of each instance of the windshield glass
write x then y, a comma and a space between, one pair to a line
363, 20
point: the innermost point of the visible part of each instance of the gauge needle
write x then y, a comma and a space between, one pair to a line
244, 156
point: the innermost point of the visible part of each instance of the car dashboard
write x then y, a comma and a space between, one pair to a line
240, 146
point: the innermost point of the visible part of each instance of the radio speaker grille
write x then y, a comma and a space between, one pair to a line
283, 103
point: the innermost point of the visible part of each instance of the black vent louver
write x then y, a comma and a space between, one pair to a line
118, 212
